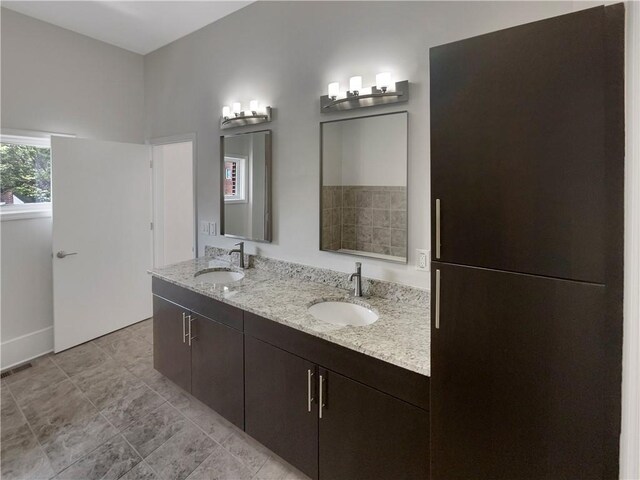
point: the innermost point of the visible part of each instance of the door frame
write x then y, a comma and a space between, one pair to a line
630, 434
179, 138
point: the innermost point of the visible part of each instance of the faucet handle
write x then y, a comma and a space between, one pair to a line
358, 265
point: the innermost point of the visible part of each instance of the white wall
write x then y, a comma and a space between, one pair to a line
27, 289
284, 54
54, 80
365, 151
374, 151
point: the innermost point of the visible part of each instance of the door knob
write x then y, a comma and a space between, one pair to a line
62, 254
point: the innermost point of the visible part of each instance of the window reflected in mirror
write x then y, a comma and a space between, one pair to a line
246, 186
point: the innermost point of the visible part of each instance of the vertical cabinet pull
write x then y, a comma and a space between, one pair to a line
437, 299
309, 396
184, 327
189, 336
437, 228
320, 395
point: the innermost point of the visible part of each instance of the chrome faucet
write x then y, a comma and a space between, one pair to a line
357, 276
240, 251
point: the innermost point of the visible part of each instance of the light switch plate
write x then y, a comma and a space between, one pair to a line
213, 228
204, 228
422, 260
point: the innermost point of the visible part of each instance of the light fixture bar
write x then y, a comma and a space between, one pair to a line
241, 119
377, 97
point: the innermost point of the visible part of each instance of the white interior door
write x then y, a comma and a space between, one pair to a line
173, 203
101, 218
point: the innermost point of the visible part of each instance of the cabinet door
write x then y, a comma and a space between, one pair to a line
519, 383
217, 374
171, 353
278, 412
366, 434
521, 154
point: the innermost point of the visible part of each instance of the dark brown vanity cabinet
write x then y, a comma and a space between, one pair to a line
171, 353
217, 368
332, 412
328, 425
366, 434
527, 182
511, 397
525, 146
200, 354
280, 407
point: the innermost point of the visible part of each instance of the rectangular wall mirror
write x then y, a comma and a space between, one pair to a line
246, 186
363, 205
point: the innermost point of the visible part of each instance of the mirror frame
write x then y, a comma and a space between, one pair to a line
268, 186
373, 257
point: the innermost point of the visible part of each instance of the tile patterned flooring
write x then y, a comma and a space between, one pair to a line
100, 411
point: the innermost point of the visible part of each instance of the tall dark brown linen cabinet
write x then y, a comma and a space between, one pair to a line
527, 174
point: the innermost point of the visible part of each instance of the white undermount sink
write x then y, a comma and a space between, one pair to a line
343, 313
219, 276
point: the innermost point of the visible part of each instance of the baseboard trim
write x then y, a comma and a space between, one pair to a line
26, 347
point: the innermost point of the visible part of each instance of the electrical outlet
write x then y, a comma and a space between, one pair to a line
204, 228
213, 228
423, 260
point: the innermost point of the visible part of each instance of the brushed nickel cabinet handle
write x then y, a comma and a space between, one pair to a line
190, 336
437, 299
309, 396
321, 400
438, 218
184, 327
62, 254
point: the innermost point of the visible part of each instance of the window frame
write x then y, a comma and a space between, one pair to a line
241, 179
27, 210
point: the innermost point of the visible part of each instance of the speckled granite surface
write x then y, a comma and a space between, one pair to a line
376, 288
401, 335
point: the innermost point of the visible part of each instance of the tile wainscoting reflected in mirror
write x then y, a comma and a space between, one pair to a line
364, 186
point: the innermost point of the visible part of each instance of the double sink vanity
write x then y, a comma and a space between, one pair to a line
336, 385
328, 370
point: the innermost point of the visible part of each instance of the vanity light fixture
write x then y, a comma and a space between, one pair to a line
382, 93
236, 116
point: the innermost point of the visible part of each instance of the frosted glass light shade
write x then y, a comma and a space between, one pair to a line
253, 105
334, 89
383, 80
237, 108
226, 111
355, 83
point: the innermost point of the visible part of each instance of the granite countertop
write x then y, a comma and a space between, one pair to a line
400, 336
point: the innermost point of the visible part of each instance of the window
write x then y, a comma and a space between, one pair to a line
25, 176
235, 180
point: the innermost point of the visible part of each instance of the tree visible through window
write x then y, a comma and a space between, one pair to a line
25, 174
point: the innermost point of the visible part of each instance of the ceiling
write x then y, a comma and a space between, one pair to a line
138, 26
